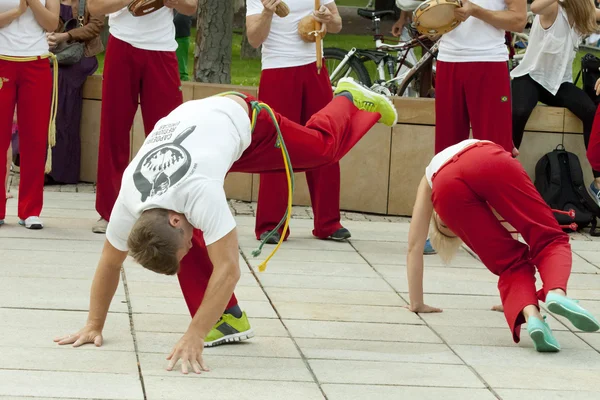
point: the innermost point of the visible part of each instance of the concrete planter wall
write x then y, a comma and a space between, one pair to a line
381, 174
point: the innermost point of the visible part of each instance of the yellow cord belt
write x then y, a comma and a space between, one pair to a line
257, 107
54, 103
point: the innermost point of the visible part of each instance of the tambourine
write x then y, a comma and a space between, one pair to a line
139, 8
436, 17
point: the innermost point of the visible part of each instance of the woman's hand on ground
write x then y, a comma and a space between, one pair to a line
88, 334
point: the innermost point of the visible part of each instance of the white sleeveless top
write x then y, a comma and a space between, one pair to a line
24, 37
550, 54
475, 40
443, 156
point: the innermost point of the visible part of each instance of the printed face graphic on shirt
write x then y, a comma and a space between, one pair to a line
162, 167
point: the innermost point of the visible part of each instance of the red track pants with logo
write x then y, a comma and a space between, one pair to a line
327, 136
472, 92
130, 73
297, 93
485, 175
29, 86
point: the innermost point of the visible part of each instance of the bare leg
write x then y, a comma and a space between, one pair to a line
8, 164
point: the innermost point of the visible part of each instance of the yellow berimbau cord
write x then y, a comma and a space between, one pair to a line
257, 107
54, 103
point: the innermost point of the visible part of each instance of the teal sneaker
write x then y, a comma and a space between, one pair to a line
571, 310
540, 333
428, 249
367, 100
229, 329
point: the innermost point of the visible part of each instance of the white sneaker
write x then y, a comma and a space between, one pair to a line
32, 223
100, 226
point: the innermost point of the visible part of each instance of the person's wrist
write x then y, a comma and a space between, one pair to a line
267, 13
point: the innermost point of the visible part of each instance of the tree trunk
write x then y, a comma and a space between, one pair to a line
247, 52
212, 56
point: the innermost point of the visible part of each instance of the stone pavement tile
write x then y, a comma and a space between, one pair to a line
552, 377
479, 336
49, 257
515, 357
477, 318
45, 270
50, 231
59, 359
520, 394
584, 281
203, 387
462, 260
580, 265
592, 256
319, 282
38, 328
375, 246
174, 306
227, 367
455, 286
353, 313
392, 373
284, 254
442, 274
347, 297
460, 302
361, 331
258, 346
332, 349
297, 242
79, 246
70, 384
279, 267
592, 338
170, 288
584, 294
381, 392
47, 293
585, 245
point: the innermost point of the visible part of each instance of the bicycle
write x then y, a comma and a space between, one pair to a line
397, 75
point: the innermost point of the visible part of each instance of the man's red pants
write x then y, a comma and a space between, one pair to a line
485, 175
29, 86
324, 140
130, 73
472, 92
297, 93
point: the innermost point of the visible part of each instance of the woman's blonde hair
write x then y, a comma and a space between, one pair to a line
445, 246
583, 15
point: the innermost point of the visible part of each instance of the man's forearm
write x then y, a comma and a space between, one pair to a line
187, 7
335, 26
104, 7
258, 30
104, 286
507, 20
218, 293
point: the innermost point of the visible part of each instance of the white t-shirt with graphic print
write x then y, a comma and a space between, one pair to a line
182, 167
283, 47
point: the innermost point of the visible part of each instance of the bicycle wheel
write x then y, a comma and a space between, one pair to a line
353, 67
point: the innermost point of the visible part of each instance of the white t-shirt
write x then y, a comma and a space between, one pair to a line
550, 53
182, 166
154, 31
24, 37
283, 47
440, 158
475, 40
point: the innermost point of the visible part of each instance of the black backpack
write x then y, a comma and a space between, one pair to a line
559, 179
590, 72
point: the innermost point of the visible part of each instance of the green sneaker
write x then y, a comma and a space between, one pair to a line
571, 310
229, 329
367, 100
543, 339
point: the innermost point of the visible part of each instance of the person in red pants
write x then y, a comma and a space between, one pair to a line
472, 81
172, 215
461, 186
140, 63
593, 150
26, 82
289, 81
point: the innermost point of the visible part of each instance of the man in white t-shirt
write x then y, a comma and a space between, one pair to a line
290, 82
140, 63
172, 215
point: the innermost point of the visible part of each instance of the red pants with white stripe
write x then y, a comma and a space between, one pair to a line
327, 137
130, 74
477, 93
485, 175
28, 85
298, 93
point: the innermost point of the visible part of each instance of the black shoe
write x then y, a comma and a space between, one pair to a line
340, 234
274, 239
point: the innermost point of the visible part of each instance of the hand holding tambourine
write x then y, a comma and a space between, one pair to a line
437, 17
139, 8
